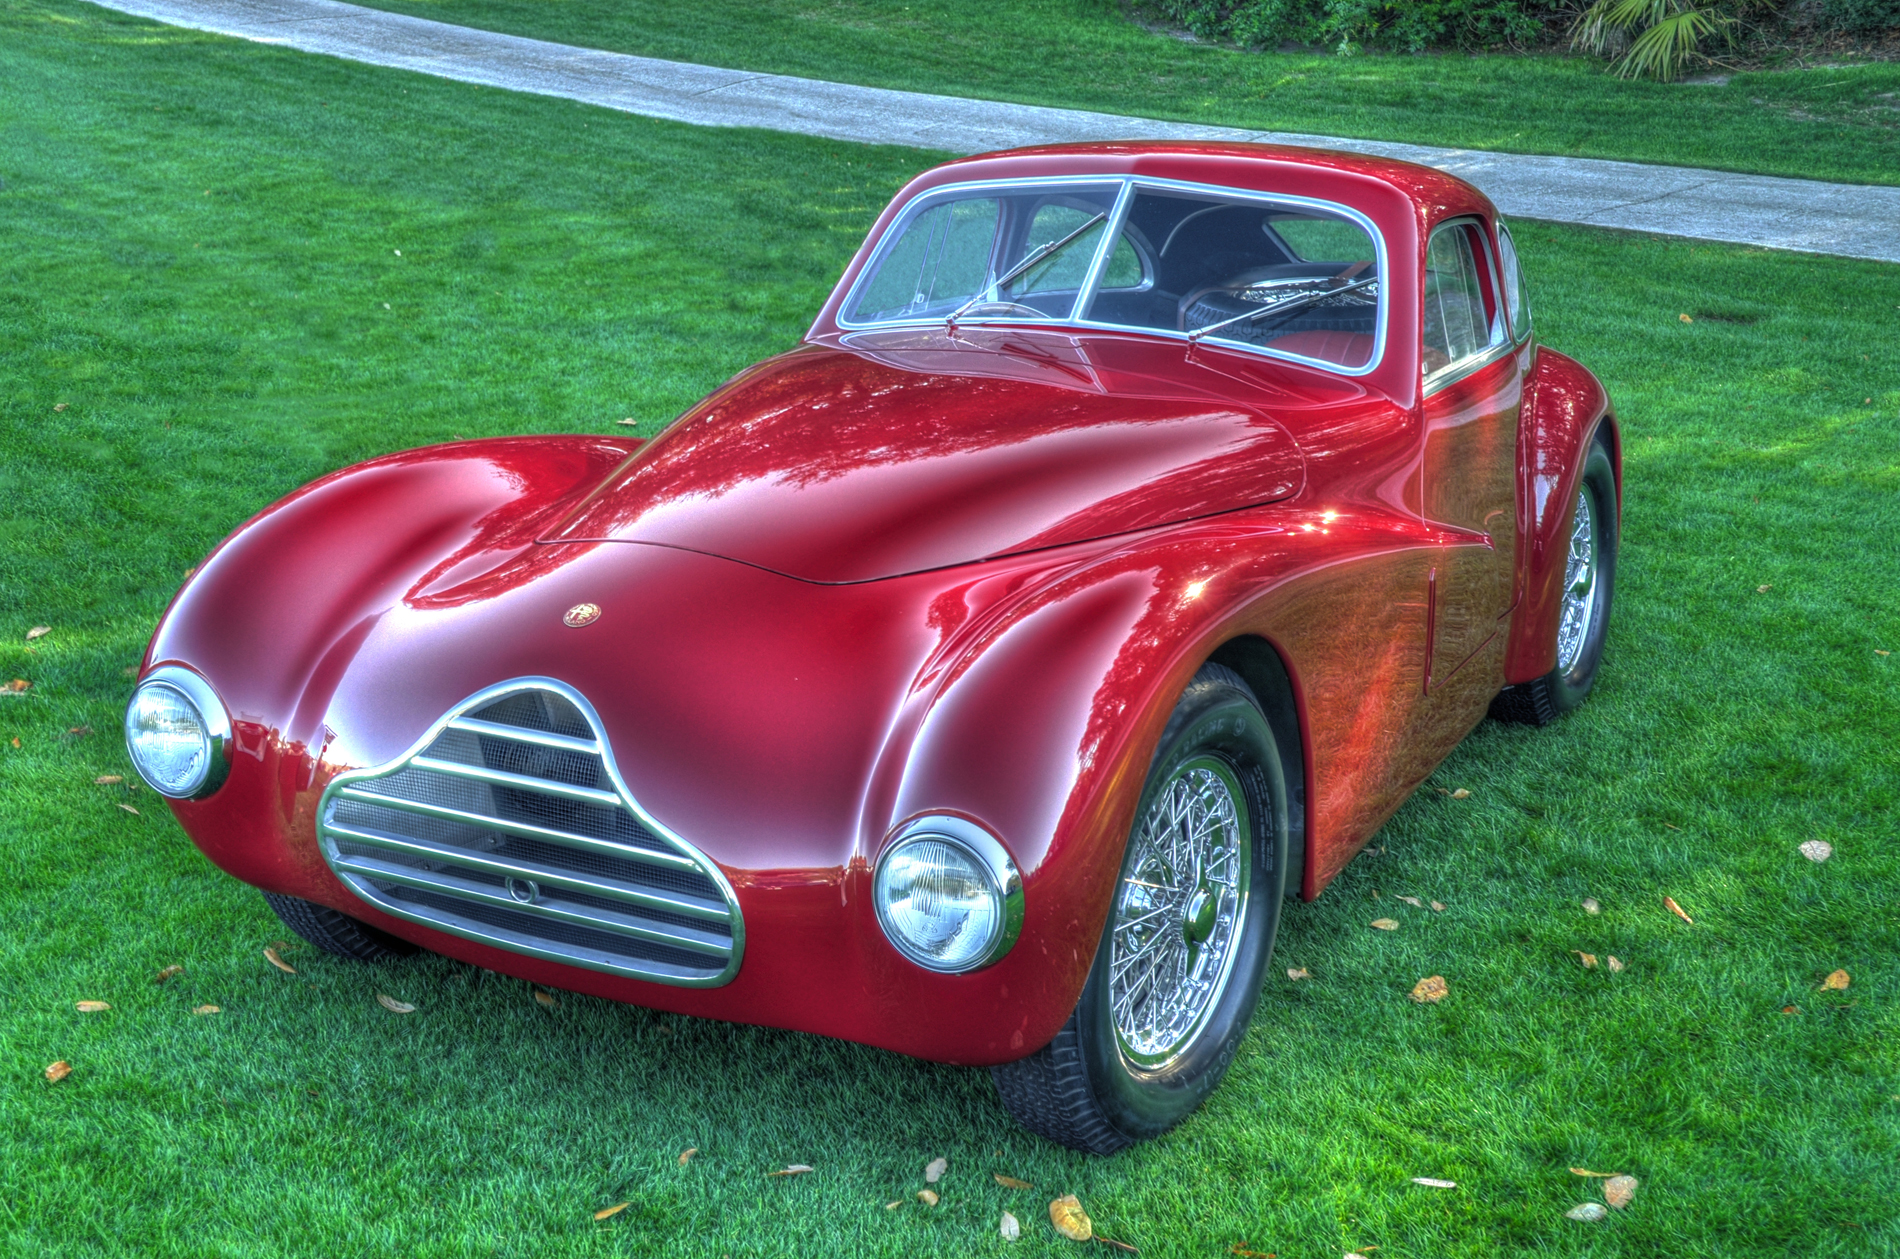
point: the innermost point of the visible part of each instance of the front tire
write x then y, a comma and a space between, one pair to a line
336, 932
1189, 933
1583, 620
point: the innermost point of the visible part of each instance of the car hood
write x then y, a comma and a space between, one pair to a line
853, 463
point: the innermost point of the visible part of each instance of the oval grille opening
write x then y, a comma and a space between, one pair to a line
508, 825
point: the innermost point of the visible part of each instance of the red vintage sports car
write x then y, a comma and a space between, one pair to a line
1137, 525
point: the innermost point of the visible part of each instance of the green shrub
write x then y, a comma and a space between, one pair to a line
1862, 17
1405, 25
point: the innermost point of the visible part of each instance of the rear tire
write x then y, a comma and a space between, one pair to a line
1584, 615
336, 932
1185, 949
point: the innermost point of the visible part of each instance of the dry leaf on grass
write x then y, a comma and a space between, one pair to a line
1011, 1228
206, 1009
17, 686
1615, 964
934, 1170
1584, 1171
1070, 1219
270, 955
1618, 1190
38, 631
392, 1005
686, 1155
545, 998
1461, 794
90, 1007
1431, 988
1297, 973
928, 1197
1791, 1009
609, 1212
1010, 1182
1110, 1241
1413, 901
108, 780
1438, 907
629, 421
1590, 905
1385, 924
1586, 1211
795, 1169
1589, 960
1433, 1183
892, 1206
1677, 910
58, 1071
1817, 850
16, 740
129, 809
1244, 1253
1762, 590
167, 973
1836, 981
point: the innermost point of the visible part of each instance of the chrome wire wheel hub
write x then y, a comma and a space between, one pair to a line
1178, 912
1580, 582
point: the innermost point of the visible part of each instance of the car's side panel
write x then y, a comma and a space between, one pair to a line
1566, 407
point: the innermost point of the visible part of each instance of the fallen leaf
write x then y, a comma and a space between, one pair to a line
1110, 1241
1589, 960
1430, 989
1385, 924
95, 1007
1070, 1219
1676, 909
1684, 319
1584, 1171
1244, 1253
108, 780
609, 1212
1791, 1009
545, 998
1438, 907
206, 1009
1443, 791
1836, 982
61, 406
1010, 1228
1762, 590
1879, 652
1413, 901
1616, 965
58, 1071
129, 809
1297, 973
1461, 794
1672, 826
38, 631
16, 741
1010, 1182
1817, 850
934, 1170
1431, 1183
1618, 1190
686, 1155
1590, 905
1586, 1211
17, 685
796, 1169
892, 1206
390, 1003
928, 1197
167, 973
79, 731
270, 955
629, 421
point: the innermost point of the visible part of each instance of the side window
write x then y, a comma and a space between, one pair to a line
1516, 301
943, 256
1064, 271
1459, 322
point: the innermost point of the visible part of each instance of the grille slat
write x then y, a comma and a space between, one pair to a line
508, 825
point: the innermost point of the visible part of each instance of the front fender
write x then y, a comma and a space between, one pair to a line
1566, 408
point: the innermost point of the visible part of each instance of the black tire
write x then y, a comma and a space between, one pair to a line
1083, 1090
336, 932
1542, 700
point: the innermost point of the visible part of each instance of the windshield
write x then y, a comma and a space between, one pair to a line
1282, 275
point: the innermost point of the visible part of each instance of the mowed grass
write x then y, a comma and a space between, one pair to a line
1839, 122
197, 242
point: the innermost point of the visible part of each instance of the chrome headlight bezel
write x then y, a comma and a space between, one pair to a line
988, 856
212, 718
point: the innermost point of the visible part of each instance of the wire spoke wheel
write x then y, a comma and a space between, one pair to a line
1580, 580
1178, 911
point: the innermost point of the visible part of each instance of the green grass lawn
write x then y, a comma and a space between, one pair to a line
197, 262
1839, 123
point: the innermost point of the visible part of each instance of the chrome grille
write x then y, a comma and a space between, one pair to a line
508, 824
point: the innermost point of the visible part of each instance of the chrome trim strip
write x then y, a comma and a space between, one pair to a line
484, 933
523, 782
600, 919
1455, 372
666, 860
612, 888
521, 734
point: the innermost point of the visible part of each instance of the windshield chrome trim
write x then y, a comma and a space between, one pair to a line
1130, 184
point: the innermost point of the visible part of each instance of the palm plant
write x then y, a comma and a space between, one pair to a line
1671, 35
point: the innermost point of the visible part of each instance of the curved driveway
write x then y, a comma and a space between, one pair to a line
1848, 219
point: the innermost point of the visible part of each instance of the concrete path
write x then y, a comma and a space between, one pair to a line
1852, 220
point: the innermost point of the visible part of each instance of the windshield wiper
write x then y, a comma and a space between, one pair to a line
1035, 257
1285, 306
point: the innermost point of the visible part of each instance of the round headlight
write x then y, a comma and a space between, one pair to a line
948, 896
178, 734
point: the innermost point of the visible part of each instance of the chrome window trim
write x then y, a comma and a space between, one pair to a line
1131, 184
989, 853
1098, 266
194, 690
624, 796
1502, 343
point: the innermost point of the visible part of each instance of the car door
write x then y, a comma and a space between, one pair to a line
1473, 387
